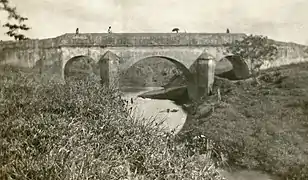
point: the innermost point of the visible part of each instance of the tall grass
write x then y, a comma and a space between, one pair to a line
82, 130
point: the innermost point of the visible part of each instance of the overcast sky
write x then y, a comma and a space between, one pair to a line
285, 20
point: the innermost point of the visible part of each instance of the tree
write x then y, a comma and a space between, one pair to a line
14, 28
256, 50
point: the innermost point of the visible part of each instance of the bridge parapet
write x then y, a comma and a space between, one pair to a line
150, 39
127, 40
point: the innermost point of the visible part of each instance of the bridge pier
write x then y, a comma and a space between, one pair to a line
109, 70
204, 72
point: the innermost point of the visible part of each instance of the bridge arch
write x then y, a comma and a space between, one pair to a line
180, 66
80, 67
232, 67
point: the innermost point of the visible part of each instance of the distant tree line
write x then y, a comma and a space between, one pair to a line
14, 28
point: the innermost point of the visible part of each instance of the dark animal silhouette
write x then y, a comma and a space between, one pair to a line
176, 30
228, 31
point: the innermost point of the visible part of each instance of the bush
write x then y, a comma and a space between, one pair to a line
82, 130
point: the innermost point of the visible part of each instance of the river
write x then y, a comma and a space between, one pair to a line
155, 108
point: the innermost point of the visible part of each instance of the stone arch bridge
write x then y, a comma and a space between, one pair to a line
114, 53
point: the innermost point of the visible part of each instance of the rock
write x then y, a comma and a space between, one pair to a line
204, 110
178, 94
187, 108
174, 110
246, 175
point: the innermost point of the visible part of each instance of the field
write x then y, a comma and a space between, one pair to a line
82, 130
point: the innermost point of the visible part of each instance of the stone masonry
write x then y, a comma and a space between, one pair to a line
115, 53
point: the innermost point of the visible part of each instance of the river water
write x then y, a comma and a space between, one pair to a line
155, 109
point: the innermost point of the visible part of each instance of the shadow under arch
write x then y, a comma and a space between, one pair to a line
232, 67
191, 85
79, 68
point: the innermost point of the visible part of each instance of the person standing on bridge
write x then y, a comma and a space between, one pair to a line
109, 30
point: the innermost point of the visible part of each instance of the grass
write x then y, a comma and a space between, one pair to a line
82, 130
261, 127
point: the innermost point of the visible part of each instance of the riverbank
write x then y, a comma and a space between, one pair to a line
82, 130
260, 127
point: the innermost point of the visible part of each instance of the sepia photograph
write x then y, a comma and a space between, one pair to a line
153, 90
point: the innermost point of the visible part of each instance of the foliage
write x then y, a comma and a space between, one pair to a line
81, 130
14, 28
256, 49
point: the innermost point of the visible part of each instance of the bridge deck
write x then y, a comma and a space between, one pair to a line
131, 39
128, 39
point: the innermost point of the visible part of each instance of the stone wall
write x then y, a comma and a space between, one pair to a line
288, 53
150, 39
127, 39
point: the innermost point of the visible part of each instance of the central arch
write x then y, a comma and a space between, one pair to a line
179, 66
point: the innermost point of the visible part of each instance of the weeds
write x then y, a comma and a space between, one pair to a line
82, 130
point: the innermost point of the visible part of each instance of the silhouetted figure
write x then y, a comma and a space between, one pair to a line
228, 31
131, 101
77, 31
175, 30
109, 29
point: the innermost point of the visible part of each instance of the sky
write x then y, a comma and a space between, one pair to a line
284, 20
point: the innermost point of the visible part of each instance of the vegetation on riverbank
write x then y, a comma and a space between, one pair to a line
153, 72
82, 130
261, 127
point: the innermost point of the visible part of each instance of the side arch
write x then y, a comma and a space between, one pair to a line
80, 67
232, 67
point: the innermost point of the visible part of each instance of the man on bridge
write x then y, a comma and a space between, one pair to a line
109, 29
